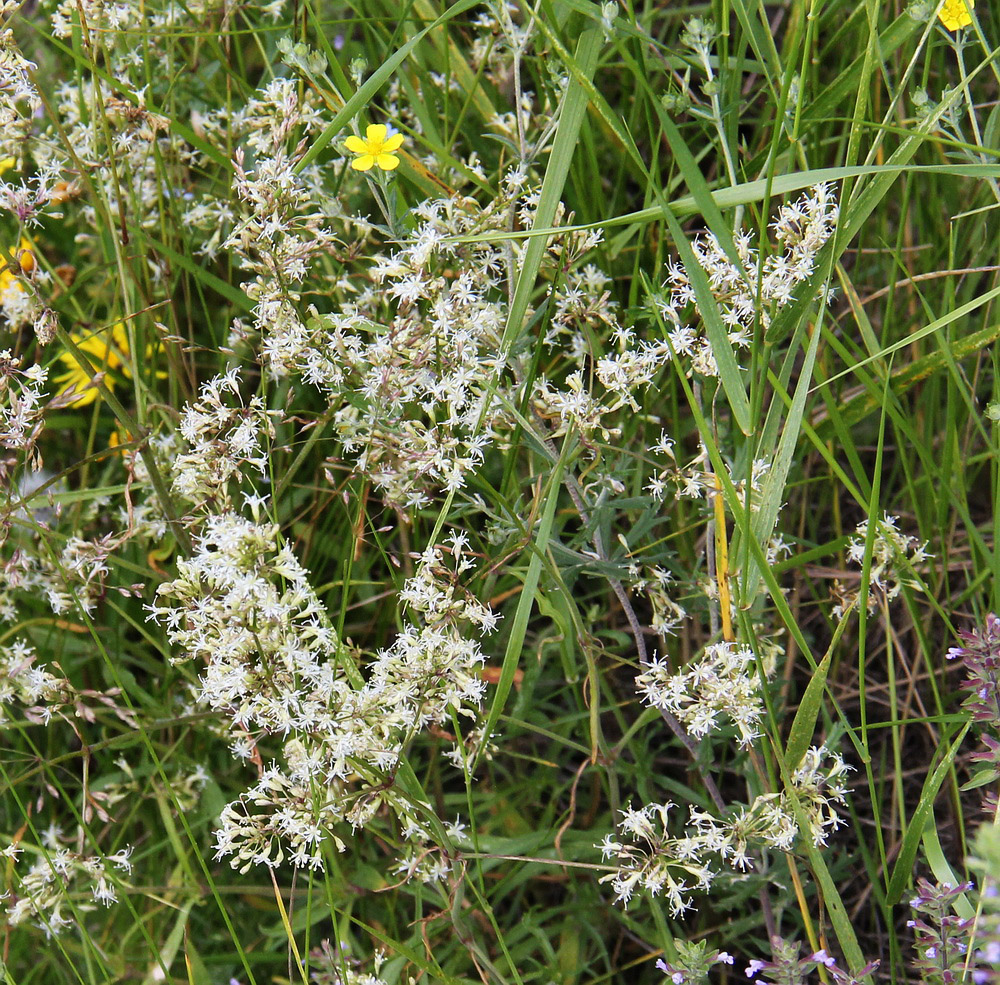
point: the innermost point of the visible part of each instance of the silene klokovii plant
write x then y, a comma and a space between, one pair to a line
498, 492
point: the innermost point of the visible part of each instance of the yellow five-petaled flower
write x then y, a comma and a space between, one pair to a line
956, 13
375, 149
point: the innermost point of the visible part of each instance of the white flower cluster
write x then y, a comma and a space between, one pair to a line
744, 298
723, 681
500, 32
18, 573
653, 859
432, 658
283, 226
111, 18
21, 408
418, 353
44, 695
136, 160
272, 666
49, 893
223, 441
424, 859
819, 785
23, 683
76, 576
820, 782
668, 614
894, 556
18, 95
243, 605
83, 564
647, 856
19, 102
633, 367
19, 300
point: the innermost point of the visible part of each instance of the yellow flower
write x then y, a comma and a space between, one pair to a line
107, 350
956, 13
375, 149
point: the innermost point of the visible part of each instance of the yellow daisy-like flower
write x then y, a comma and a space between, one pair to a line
375, 149
956, 13
107, 350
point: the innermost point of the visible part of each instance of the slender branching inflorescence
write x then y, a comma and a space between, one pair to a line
894, 556
41, 695
225, 438
242, 607
748, 293
19, 98
53, 892
668, 615
36, 689
722, 686
649, 857
21, 408
722, 682
23, 199
426, 859
390, 348
285, 217
744, 299
50, 891
421, 350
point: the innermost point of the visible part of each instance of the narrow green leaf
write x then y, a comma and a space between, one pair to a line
571, 116
762, 522
224, 289
839, 917
166, 954
526, 602
804, 723
943, 872
860, 405
902, 872
748, 193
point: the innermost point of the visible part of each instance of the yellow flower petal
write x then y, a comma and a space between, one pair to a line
393, 143
78, 384
387, 161
376, 133
363, 163
356, 145
6, 164
956, 13
108, 350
